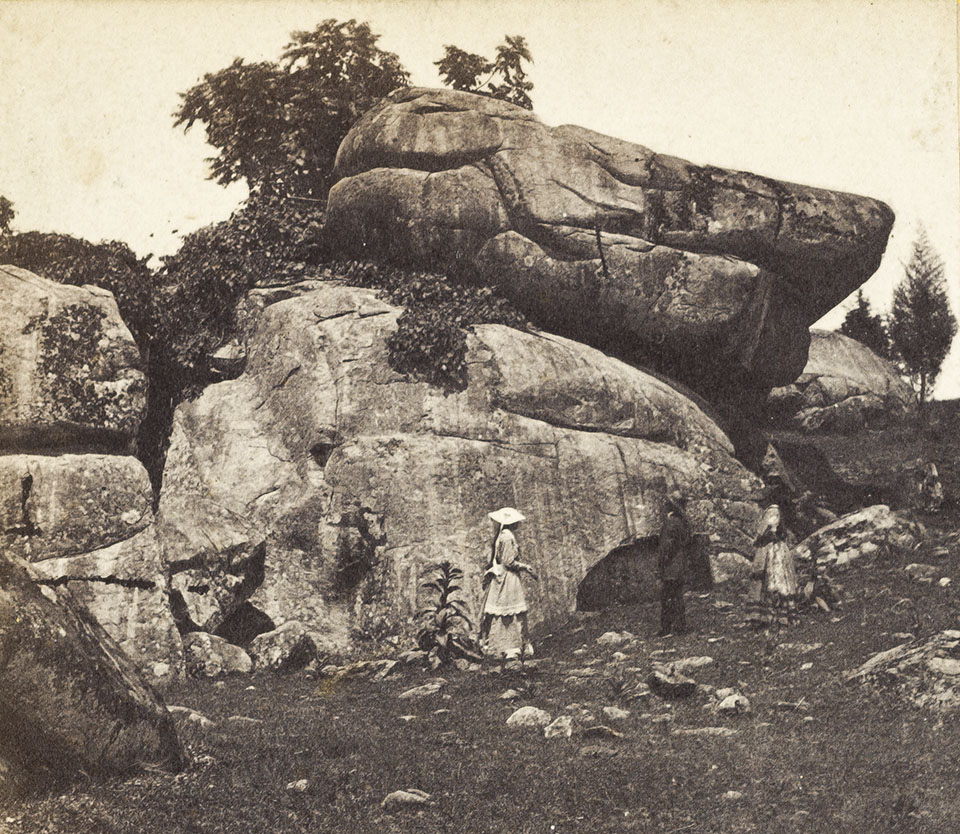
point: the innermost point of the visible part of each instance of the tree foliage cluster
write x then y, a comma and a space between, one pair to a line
918, 332
506, 78
921, 324
278, 125
867, 327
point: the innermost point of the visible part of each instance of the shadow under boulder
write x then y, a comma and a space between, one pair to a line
628, 574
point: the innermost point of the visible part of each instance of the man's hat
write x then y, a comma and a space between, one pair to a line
507, 515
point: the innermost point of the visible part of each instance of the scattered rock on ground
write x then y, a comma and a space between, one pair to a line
922, 573
397, 800
614, 638
705, 731
597, 751
191, 716
601, 731
299, 786
668, 684
735, 704
561, 726
425, 689
529, 716
286, 649
209, 656
862, 533
685, 664
509, 695
927, 672
616, 713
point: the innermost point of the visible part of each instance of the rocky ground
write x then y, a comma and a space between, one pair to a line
768, 733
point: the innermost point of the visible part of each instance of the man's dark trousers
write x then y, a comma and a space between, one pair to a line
673, 616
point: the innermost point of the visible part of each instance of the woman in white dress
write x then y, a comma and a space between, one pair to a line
503, 629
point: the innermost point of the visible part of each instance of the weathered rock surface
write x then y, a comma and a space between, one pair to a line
844, 387
64, 505
284, 649
866, 532
72, 501
70, 700
355, 479
710, 275
70, 373
926, 672
209, 656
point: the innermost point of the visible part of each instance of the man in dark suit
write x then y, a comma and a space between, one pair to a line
676, 538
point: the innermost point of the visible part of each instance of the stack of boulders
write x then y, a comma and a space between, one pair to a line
304, 500
709, 275
74, 501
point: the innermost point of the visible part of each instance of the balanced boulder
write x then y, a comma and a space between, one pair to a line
710, 275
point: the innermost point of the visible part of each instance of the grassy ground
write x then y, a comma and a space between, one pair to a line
847, 759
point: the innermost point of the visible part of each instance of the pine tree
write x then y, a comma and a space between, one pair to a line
866, 328
921, 324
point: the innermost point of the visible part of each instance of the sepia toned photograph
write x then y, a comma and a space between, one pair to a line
510, 416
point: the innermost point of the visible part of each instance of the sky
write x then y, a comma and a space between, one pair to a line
853, 95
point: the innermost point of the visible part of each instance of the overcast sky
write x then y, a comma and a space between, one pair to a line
853, 95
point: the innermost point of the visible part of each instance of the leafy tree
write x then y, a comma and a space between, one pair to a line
921, 324
506, 77
866, 327
278, 125
6, 215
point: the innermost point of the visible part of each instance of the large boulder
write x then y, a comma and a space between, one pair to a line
70, 701
124, 587
844, 386
73, 500
710, 275
868, 532
925, 672
70, 373
64, 505
355, 479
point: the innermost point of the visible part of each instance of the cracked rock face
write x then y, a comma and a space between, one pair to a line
844, 386
73, 501
357, 480
710, 275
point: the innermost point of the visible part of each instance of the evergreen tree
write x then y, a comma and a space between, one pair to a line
866, 328
921, 324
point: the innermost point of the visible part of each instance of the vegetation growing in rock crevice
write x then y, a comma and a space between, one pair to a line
430, 342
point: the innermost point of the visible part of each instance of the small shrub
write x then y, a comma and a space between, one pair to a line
430, 343
446, 626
